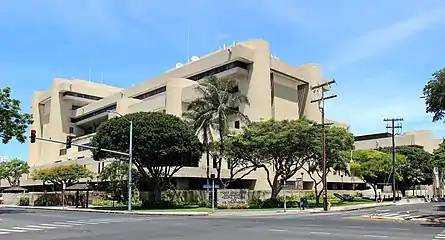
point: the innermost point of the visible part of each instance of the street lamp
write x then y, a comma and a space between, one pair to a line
130, 162
341, 182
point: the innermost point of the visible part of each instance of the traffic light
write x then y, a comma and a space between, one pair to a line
68, 142
33, 136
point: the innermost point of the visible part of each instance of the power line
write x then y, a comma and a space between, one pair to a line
395, 123
323, 140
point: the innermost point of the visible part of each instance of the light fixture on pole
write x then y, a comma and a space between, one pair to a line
130, 162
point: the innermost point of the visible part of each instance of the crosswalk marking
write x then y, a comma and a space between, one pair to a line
65, 224
11, 230
27, 228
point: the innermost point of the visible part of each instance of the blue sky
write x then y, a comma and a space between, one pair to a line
380, 52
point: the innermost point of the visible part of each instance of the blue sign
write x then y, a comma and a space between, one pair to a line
210, 186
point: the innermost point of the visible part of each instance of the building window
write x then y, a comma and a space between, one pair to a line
219, 69
92, 114
71, 130
151, 93
81, 149
81, 95
62, 152
74, 107
237, 124
98, 167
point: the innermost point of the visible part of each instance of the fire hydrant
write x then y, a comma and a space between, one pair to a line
329, 205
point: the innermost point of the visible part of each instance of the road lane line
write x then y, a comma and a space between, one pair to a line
321, 233
12, 230
55, 225
401, 229
355, 227
4, 233
277, 230
375, 236
43, 227
73, 224
29, 229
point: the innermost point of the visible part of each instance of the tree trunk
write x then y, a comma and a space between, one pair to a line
206, 143
275, 188
403, 191
221, 147
157, 194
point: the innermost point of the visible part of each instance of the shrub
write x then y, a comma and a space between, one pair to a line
24, 201
256, 203
233, 206
204, 203
48, 200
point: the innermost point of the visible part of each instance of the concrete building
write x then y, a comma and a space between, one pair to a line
275, 90
421, 138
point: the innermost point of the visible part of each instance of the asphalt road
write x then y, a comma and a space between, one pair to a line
18, 224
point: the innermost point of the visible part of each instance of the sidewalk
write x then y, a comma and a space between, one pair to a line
217, 213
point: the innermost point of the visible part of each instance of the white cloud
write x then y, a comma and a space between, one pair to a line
377, 41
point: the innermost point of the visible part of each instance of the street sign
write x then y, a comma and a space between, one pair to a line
210, 186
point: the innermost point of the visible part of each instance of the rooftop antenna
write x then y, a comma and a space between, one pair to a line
101, 77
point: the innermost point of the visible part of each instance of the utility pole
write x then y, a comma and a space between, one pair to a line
393, 126
323, 140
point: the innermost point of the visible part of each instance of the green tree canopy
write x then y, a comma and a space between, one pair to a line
13, 123
418, 168
375, 167
162, 145
62, 174
280, 148
116, 176
218, 104
339, 144
13, 171
434, 92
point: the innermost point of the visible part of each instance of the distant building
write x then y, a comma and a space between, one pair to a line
421, 138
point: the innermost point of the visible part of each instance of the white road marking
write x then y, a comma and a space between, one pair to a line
55, 225
355, 227
4, 233
73, 224
11, 230
278, 230
401, 229
43, 227
439, 237
375, 236
383, 210
323, 233
26, 228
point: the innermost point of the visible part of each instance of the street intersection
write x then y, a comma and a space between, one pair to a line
36, 224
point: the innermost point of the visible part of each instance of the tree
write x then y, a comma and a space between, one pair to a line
339, 144
280, 148
13, 124
13, 171
438, 161
434, 92
417, 170
67, 175
374, 167
216, 105
116, 176
162, 145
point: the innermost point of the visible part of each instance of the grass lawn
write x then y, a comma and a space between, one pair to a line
202, 209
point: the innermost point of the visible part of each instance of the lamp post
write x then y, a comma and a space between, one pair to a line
130, 162
342, 182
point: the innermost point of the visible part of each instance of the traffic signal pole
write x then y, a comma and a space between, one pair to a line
84, 146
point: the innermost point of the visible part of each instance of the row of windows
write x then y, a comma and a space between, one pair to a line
81, 95
219, 69
151, 93
92, 114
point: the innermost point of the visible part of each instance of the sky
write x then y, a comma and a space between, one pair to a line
381, 53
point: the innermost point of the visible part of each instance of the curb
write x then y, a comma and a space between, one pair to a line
115, 212
354, 208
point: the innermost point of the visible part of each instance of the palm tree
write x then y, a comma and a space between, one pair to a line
216, 104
